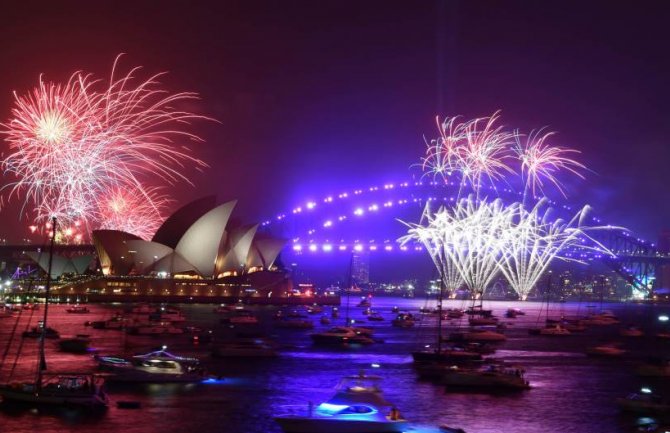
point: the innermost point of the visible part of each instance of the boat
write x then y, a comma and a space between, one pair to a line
654, 367
606, 351
158, 366
116, 322
492, 376
41, 332
554, 331
403, 320
365, 302
245, 348
294, 323
143, 309
155, 329
512, 313
631, 331
222, 309
644, 402
453, 313
357, 407
447, 355
315, 309
78, 309
240, 317
375, 317
77, 344
478, 335
325, 320
342, 335
483, 321
63, 389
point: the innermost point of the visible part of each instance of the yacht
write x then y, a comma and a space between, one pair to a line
245, 348
36, 332
59, 390
375, 317
342, 335
403, 320
154, 367
606, 351
554, 331
493, 376
78, 309
478, 335
357, 407
77, 344
644, 402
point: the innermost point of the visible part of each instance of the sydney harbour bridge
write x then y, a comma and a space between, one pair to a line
369, 220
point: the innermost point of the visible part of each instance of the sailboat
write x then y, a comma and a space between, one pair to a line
438, 354
63, 389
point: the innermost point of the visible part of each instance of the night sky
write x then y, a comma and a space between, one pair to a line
317, 96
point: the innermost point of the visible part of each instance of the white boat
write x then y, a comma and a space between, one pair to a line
644, 402
64, 389
493, 377
357, 407
155, 367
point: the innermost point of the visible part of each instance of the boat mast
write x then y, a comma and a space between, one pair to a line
439, 315
350, 285
42, 359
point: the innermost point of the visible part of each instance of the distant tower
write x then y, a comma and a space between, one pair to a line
360, 268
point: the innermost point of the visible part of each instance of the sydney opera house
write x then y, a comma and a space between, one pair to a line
199, 253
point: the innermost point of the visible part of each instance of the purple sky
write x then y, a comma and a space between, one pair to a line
317, 96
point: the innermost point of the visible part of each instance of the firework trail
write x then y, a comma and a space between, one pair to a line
132, 212
73, 145
540, 161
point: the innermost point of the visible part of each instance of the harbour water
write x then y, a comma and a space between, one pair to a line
570, 391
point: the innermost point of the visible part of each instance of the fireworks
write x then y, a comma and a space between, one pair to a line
540, 161
74, 147
132, 212
479, 239
478, 151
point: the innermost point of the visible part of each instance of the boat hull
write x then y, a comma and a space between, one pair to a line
338, 425
69, 398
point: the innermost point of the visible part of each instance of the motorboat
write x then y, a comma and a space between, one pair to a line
478, 335
116, 322
601, 319
77, 344
654, 367
365, 302
483, 321
143, 309
325, 320
357, 407
154, 367
446, 355
644, 402
342, 335
240, 317
315, 309
606, 351
294, 323
223, 309
555, 331
403, 320
512, 313
78, 309
478, 310
375, 317
453, 313
155, 329
59, 390
631, 331
491, 376
245, 348
36, 332
168, 314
